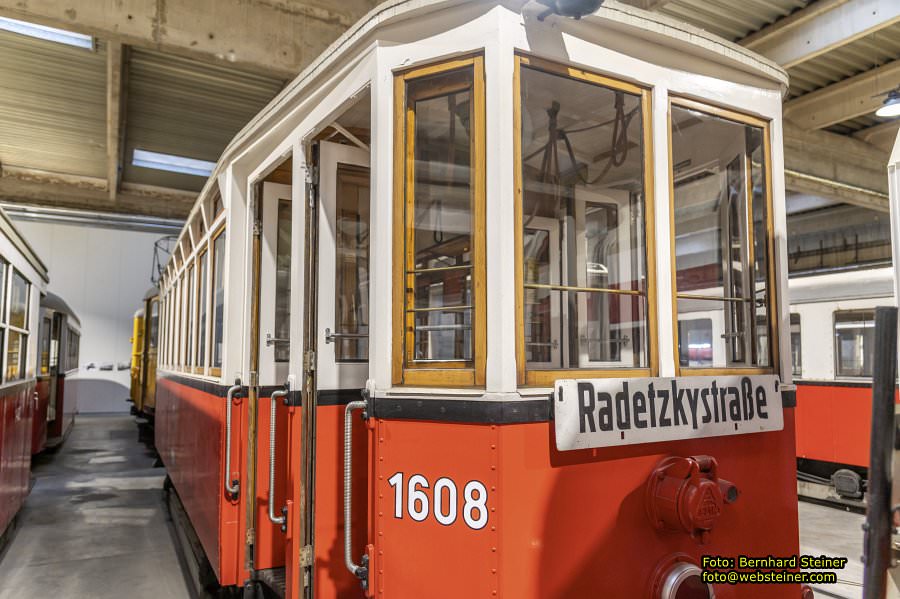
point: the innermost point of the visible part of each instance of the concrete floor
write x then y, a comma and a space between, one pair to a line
94, 524
834, 532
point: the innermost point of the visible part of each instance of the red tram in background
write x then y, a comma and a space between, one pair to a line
23, 278
60, 337
832, 354
432, 326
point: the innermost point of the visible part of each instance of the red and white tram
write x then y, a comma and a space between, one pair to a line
427, 330
832, 352
23, 278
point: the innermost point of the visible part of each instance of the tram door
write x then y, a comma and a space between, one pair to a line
342, 356
273, 363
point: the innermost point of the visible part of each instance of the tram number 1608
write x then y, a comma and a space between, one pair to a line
443, 501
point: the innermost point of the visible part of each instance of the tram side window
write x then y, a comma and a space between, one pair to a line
796, 354
721, 230
218, 307
854, 343
352, 264
17, 343
202, 309
283, 282
72, 350
440, 312
154, 323
189, 324
583, 210
45, 346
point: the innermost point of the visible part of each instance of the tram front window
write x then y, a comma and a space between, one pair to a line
721, 231
442, 202
583, 222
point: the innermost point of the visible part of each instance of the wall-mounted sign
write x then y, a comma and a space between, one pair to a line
609, 412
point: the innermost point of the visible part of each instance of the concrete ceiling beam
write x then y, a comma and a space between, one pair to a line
272, 38
845, 100
836, 167
819, 27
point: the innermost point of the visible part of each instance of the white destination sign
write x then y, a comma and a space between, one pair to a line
608, 412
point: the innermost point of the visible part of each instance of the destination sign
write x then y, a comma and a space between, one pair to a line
609, 412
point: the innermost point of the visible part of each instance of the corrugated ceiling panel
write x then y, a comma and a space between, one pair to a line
52, 106
187, 108
731, 19
851, 59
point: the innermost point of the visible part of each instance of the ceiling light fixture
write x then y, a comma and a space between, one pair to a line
891, 105
50, 34
569, 8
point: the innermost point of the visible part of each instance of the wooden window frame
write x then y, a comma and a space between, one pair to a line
24, 332
200, 336
545, 378
215, 371
771, 295
437, 374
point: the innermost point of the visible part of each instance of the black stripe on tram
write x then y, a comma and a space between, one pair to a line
464, 411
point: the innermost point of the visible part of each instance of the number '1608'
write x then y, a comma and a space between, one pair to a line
442, 500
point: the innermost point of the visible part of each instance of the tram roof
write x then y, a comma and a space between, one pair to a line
8, 229
653, 26
54, 302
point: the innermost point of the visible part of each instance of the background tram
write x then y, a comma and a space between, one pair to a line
60, 339
832, 354
144, 337
455, 211
23, 278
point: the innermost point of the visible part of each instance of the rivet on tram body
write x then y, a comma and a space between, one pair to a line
493, 528
493, 488
493, 549
493, 509
381, 513
493, 467
380, 478
493, 447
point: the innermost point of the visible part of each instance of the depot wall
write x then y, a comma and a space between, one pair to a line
103, 275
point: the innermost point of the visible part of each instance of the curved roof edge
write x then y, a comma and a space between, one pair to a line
15, 236
54, 302
391, 10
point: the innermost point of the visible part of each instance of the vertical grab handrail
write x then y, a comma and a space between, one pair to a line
231, 486
355, 569
279, 520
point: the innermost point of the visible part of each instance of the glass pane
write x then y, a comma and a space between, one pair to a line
443, 288
729, 320
18, 308
218, 299
796, 354
854, 343
15, 362
443, 335
154, 323
3, 267
695, 345
351, 315
189, 309
610, 330
45, 346
442, 212
203, 303
283, 282
719, 174
583, 223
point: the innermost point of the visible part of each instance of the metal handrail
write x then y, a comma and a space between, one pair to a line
232, 487
330, 337
357, 570
273, 402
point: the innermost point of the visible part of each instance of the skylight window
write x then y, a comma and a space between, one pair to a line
172, 163
51, 34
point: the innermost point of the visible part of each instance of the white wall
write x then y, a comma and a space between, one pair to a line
103, 275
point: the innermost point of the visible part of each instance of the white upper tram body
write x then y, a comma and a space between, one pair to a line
650, 50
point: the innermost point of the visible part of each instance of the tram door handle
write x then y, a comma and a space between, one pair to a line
282, 519
232, 487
